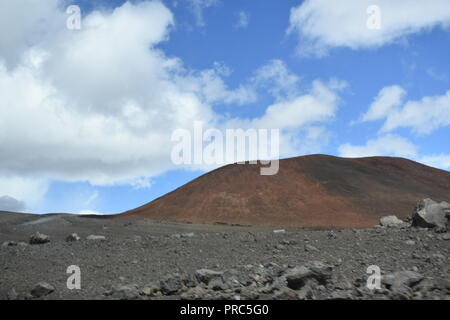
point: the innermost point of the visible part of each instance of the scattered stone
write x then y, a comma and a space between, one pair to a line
322, 271
305, 293
188, 235
286, 294
9, 244
310, 248
39, 238
96, 238
151, 290
445, 236
206, 275
402, 278
312, 271
125, 292
195, 293
73, 237
42, 289
340, 295
296, 278
217, 284
331, 235
249, 293
410, 242
170, 284
401, 293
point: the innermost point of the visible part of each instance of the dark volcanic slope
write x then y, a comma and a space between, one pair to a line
309, 191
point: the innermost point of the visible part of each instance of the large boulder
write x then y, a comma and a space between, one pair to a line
431, 214
315, 271
39, 238
392, 222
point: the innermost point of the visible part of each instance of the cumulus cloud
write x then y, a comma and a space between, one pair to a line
8, 203
275, 78
242, 20
26, 23
321, 26
318, 105
423, 116
387, 145
301, 117
393, 145
97, 104
388, 99
100, 104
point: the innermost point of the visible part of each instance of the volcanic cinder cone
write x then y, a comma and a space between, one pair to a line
308, 191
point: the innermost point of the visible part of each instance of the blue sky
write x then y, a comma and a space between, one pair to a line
87, 114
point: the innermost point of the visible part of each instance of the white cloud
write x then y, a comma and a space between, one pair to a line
321, 25
242, 20
100, 104
387, 145
388, 99
8, 203
301, 118
277, 79
94, 108
198, 6
210, 85
319, 105
423, 116
26, 23
393, 145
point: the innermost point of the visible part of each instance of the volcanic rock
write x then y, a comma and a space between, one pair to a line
39, 238
430, 214
392, 222
42, 289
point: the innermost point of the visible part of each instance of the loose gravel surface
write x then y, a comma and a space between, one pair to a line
144, 259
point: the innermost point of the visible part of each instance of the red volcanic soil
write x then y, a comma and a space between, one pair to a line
309, 191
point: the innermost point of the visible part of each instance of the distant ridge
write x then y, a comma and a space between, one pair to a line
308, 191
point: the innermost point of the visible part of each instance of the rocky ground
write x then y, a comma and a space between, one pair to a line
144, 259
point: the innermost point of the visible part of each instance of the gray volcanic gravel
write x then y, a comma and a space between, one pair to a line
144, 259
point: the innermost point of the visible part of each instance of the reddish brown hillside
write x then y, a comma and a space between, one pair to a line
309, 191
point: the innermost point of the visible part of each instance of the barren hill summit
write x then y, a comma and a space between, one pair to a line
308, 191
